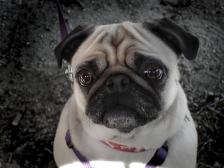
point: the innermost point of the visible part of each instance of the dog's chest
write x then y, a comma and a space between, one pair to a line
94, 154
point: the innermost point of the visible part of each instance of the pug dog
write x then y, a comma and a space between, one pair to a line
128, 109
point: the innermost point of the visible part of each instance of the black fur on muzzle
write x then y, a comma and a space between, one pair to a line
123, 106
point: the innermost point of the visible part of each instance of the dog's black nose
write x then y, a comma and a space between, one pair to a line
118, 82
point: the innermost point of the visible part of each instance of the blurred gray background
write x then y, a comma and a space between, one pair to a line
33, 90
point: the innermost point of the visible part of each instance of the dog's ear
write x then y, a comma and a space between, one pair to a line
67, 48
177, 38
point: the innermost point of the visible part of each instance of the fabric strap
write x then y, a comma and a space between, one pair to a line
64, 28
157, 160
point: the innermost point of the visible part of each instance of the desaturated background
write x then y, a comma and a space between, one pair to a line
33, 90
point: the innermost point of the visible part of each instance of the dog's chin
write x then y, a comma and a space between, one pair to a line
122, 118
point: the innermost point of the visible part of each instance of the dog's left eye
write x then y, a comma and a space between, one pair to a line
84, 77
154, 72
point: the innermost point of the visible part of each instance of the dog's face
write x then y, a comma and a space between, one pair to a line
126, 74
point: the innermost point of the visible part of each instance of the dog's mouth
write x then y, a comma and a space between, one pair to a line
123, 110
122, 117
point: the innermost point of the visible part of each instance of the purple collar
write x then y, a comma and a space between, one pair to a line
157, 160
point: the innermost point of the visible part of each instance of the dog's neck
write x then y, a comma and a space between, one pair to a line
158, 158
95, 150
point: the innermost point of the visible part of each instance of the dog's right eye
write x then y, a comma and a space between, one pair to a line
84, 77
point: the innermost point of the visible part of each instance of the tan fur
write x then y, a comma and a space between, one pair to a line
116, 44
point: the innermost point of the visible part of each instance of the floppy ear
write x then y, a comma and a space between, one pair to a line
66, 49
174, 36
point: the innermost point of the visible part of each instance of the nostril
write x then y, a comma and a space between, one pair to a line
125, 82
118, 82
109, 83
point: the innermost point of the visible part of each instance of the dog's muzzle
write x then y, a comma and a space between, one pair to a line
122, 104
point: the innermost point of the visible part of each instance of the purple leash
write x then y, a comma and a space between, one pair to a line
82, 158
62, 23
157, 160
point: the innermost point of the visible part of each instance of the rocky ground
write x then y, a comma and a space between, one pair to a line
33, 90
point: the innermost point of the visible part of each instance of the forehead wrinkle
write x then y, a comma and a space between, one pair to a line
157, 46
139, 37
123, 50
96, 35
110, 50
129, 41
97, 39
120, 41
88, 47
111, 54
115, 39
116, 43
102, 39
118, 35
101, 63
97, 53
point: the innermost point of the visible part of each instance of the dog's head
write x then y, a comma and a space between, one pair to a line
126, 74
